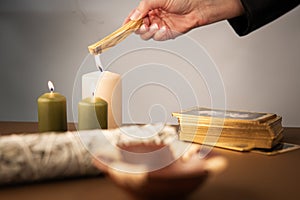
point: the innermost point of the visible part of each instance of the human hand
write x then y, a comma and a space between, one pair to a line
166, 19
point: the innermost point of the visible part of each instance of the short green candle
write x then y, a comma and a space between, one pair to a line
92, 113
52, 112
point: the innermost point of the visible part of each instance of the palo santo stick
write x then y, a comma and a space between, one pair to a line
115, 37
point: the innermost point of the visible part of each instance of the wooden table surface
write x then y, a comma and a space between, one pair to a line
248, 176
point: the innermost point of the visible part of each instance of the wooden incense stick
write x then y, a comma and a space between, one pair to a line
115, 37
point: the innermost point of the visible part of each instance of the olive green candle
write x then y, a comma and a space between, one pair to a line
92, 113
52, 112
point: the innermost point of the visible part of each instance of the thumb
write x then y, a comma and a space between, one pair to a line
145, 6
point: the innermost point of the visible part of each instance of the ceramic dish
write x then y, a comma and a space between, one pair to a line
174, 181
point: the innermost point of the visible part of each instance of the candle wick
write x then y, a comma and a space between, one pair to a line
100, 68
51, 90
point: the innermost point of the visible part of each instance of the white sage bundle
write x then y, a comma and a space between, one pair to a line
32, 157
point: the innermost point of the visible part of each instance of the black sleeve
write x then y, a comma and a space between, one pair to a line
260, 12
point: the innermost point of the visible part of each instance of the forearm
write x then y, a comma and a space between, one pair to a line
217, 10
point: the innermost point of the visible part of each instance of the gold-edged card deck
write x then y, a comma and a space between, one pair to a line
237, 130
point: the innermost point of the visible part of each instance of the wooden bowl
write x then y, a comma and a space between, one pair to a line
175, 181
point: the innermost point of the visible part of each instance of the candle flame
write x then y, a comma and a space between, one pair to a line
98, 63
51, 86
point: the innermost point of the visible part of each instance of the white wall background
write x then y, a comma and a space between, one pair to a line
43, 40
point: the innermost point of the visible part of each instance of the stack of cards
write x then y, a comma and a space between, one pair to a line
238, 130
